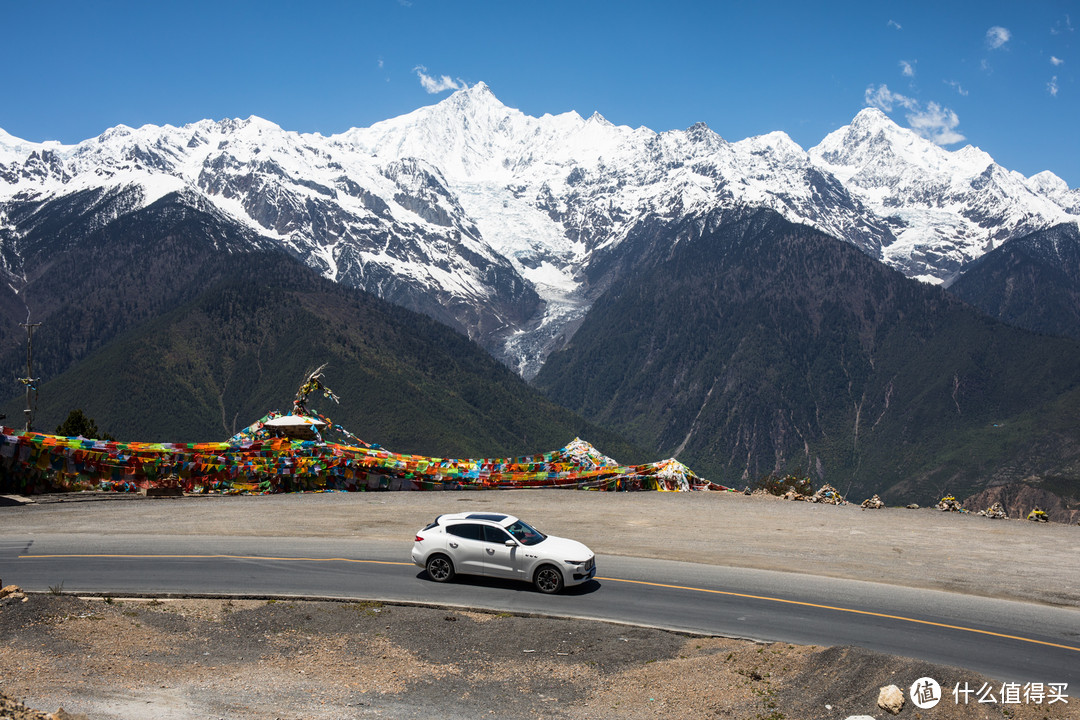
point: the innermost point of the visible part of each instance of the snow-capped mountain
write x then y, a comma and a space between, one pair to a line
945, 208
505, 225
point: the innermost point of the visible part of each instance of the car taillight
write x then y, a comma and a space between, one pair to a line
419, 539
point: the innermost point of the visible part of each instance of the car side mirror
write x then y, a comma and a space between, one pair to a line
510, 543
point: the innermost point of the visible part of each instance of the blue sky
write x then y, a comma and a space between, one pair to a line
998, 75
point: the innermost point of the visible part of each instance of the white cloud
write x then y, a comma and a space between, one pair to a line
894, 24
936, 124
997, 36
957, 87
381, 63
1055, 61
907, 69
1052, 86
437, 85
933, 122
885, 99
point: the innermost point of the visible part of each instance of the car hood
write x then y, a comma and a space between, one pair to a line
564, 549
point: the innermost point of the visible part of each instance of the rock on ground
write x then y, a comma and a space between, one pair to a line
891, 699
12, 709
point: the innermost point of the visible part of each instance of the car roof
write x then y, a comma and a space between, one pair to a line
493, 517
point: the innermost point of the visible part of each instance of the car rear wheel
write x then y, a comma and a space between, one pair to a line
548, 580
440, 568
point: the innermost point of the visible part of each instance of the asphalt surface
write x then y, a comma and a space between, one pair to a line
1006, 640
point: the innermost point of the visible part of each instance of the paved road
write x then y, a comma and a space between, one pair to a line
1009, 641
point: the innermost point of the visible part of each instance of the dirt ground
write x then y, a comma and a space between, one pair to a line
142, 659
183, 659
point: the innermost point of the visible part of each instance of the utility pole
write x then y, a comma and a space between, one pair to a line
29, 381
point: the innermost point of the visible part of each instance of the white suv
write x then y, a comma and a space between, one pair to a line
498, 545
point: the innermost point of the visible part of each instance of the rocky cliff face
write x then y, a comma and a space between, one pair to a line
1019, 499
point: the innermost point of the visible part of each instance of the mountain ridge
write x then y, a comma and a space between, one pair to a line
502, 224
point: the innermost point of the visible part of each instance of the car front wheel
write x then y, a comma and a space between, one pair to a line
548, 580
440, 568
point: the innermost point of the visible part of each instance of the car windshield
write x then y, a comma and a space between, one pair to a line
524, 533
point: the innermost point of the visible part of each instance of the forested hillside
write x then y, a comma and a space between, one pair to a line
159, 338
1031, 282
761, 346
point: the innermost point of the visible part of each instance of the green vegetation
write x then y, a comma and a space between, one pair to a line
77, 423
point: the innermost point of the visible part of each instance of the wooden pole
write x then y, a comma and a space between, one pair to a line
29, 381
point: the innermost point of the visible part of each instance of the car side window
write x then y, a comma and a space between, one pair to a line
468, 531
495, 535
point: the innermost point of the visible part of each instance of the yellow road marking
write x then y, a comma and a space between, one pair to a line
227, 557
621, 580
847, 610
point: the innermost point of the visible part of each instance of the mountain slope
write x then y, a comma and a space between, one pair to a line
89, 268
759, 346
1031, 282
200, 364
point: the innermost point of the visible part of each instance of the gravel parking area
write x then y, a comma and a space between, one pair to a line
1012, 559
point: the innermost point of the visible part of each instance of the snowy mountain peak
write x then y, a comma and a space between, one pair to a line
872, 117
945, 208
478, 89
1047, 182
599, 119
776, 142
972, 159
474, 97
13, 149
1050, 185
508, 226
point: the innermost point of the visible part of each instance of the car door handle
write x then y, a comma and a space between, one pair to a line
491, 551
453, 545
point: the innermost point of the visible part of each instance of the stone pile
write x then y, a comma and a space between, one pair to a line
950, 504
1038, 515
995, 512
874, 503
829, 495
826, 494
